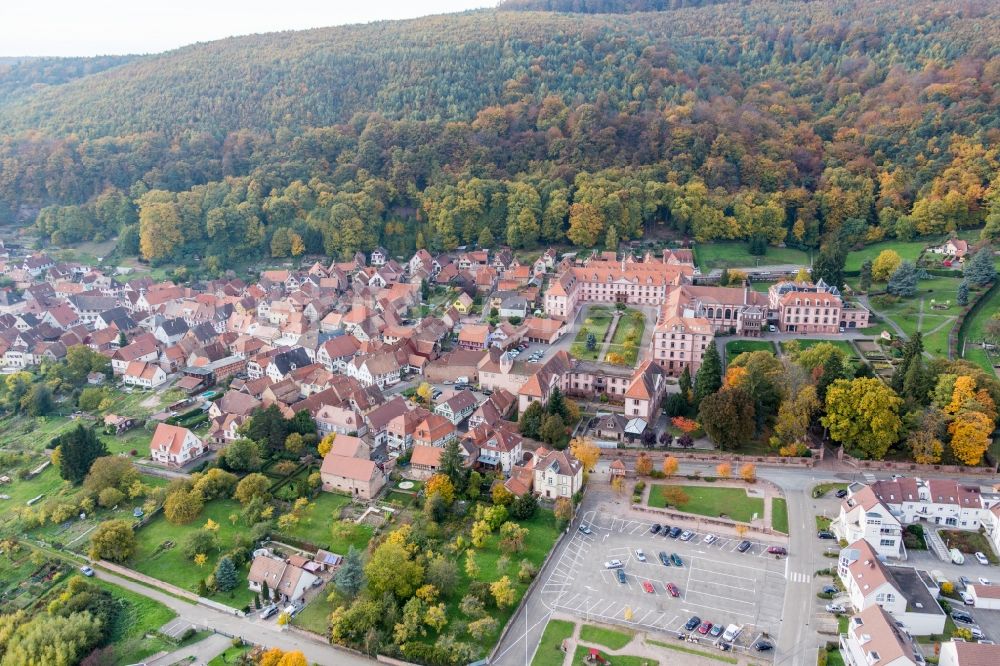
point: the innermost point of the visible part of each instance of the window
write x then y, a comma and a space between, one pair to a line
887, 542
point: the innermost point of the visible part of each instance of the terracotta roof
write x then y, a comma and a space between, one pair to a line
427, 456
976, 654
433, 428
169, 438
357, 469
348, 446
876, 632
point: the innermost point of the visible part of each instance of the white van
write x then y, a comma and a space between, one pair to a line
956, 556
731, 633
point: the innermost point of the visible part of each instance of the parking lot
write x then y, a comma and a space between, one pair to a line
715, 582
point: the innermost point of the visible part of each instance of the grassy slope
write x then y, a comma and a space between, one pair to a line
549, 652
779, 515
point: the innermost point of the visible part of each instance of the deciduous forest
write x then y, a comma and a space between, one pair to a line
793, 122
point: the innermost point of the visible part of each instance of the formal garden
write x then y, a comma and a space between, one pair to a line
623, 346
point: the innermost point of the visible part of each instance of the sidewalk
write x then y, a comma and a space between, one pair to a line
201, 652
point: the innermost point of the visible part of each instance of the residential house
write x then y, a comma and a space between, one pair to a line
474, 336
425, 461
381, 369
458, 407
864, 516
961, 653
175, 446
434, 430
356, 476
556, 474
284, 581
874, 639
144, 375
463, 303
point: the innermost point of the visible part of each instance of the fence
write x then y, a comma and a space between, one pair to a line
734, 525
717, 457
889, 466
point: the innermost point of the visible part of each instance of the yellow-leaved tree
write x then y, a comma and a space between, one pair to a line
970, 436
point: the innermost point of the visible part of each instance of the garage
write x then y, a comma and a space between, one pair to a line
985, 596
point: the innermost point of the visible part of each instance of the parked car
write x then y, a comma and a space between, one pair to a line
586, 530
984, 581
613, 564
824, 534
647, 586
639, 555
686, 535
961, 616
981, 558
692, 623
977, 633
664, 558
705, 627
967, 598
829, 589
672, 590
675, 532
655, 528
621, 575
268, 611
777, 550
676, 559
963, 580
87, 571
711, 538
665, 530
716, 631
842, 493
744, 546
835, 608
763, 646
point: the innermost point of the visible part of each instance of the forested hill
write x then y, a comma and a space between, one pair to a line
792, 122
603, 6
19, 75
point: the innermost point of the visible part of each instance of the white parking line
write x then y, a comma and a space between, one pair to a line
750, 589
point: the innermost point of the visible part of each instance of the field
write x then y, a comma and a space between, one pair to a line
932, 311
736, 347
171, 566
549, 652
737, 255
908, 250
974, 331
708, 501
779, 514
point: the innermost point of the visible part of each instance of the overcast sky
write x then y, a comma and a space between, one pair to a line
101, 27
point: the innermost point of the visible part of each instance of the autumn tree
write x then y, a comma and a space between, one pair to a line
563, 510
863, 415
723, 470
426, 393
643, 464
674, 496
251, 486
794, 417
392, 569
727, 417
182, 506
885, 264
670, 465
586, 452
585, 224
748, 472
503, 592
113, 540
970, 436
440, 485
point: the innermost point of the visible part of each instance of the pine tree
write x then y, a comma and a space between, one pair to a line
451, 465
709, 377
351, 575
265, 592
865, 281
685, 383
225, 574
531, 420
917, 382
913, 348
829, 265
979, 270
962, 297
556, 403
78, 449
903, 281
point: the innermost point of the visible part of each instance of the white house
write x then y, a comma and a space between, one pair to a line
909, 595
985, 596
864, 516
380, 369
174, 445
285, 581
144, 375
557, 474
874, 639
458, 407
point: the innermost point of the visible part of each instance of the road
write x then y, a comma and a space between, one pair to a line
250, 629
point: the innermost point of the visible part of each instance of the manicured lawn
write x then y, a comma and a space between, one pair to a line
737, 255
779, 514
315, 524
630, 327
229, 656
736, 347
609, 638
823, 523
700, 653
708, 501
968, 542
549, 651
974, 332
762, 287
581, 654
834, 658
171, 566
932, 311
596, 323
316, 615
